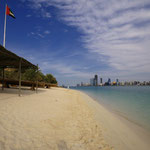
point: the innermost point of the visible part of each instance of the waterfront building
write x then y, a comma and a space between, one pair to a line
92, 81
96, 80
101, 81
78, 85
117, 81
114, 83
109, 81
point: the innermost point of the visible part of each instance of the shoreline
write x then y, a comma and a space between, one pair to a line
138, 132
119, 114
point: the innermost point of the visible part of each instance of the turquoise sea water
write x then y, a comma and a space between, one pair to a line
131, 102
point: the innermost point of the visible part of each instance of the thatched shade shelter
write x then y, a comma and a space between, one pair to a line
11, 60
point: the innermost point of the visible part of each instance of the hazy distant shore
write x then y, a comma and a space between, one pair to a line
62, 119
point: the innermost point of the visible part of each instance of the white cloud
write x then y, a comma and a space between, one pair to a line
28, 15
36, 35
47, 32
64, 69
111, 28
45, 14
39, 33
39, 6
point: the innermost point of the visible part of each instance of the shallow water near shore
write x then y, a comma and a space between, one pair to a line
130, 102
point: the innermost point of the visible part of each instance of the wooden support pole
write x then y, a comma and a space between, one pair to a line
3, 76
37, 78
20, 76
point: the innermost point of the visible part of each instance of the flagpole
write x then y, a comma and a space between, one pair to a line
5, 27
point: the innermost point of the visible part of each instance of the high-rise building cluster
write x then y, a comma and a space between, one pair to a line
98, 81
94, 81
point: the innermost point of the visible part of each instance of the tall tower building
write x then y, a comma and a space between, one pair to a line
109, 81
96, 80
101, 81
117, 81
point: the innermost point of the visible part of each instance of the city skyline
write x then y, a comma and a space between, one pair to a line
98, 81
74, 40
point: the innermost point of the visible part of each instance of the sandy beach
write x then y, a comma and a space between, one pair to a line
61, 119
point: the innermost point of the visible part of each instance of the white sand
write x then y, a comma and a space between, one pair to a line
61, 119
57, 119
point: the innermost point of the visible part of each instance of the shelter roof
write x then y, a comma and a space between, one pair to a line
9, 59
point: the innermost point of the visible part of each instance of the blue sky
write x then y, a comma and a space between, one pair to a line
75, 39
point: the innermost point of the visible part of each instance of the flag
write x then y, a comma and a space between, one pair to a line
9, 12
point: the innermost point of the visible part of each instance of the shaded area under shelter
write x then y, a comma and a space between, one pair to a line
11, 60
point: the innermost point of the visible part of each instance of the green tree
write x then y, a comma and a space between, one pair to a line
50, 79
30, 75
40, 76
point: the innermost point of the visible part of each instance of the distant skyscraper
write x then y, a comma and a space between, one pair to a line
92, 81
117, 81
78, 84
96, 80
109, 81
81, 83
101, 80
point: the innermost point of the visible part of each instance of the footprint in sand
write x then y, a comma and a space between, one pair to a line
62, 145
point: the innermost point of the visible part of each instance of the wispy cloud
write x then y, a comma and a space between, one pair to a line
28, 16
118, 30
39, 7
45, 14
64, 69
38, 33
47, 32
